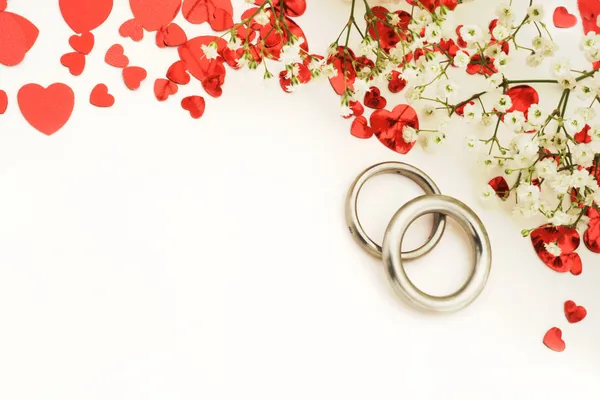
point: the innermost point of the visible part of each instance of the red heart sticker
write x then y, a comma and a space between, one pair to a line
154, 14
85, 15
163, 88
132, 29
195, 105
3, 102
47, 110
133, 77
573, 312
100, 96
75, 62
373, 99
388, 127
562, 18
567, 239
360, 128
115, 56
82, 44
178, 73
553, 340
174, 35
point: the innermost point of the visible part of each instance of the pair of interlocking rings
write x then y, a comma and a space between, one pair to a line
391, 250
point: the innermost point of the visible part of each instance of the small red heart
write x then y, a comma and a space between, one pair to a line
573, 312
132, 29
160, 37
567, 239
360, 128
75, 62
3, 102
397, 83
553, 340
501, 187
115, 56
100, 96
195, 105
178, 73
174, 35
133, 77
562, 18
163, 88
47, 110
388, 126
373, 99
82, 44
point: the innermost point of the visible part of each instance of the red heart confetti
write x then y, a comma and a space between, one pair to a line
160, 37
163, 88
46, 109
583, 136
85, 15
342, 61
178, 73
553, 340
100, 96
522, 97
132, 29
3, 5
133, 77
591, 237
115, 56
195, 105
589, 11
82, 44
562, 18
396, 83
13, 45
360, 128
567, 239
154, 14
75, 62
3, 102
388, 127
211, 73
218, 13
573, 312
174, 35
373, 99
501, 187
357, 109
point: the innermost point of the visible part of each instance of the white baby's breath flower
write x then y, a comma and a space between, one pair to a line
575, 124
472, 113
536, 115
433, 33
535, 13
503, 103
553, 249
534, 60
583, 91
409, 134
567, 82
471, 33
495, 80
210, 51
462, 59
505, 13
447, 89
501, 61
500, 32
561, 68
262, 18
514, 121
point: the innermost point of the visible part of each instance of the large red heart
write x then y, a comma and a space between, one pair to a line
75, 62
553, 340
82, 44
3, 102
591, 237
47, 110
388, 127
154, 14
562, 18
85, 15
573, 312
567, 239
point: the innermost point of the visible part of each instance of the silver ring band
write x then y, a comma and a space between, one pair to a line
478, 237
416, 175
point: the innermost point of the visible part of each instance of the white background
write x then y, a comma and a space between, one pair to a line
147, 255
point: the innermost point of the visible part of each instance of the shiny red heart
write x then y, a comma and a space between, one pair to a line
85, 15
100, 96
562, 18
360, 128
396, 83
583, 136
357, 109
133, 77
75, 62
501, 187
567, 239
553, 340
591, 237
46, 109
589, 11
163, 88
211, 73
178, 73
373, 99
132, 29
195, 105
388, 127
342, 62
573, 312
154, 14
522, 98
82, 44
174, 35
292, 8
115, 56
3, 102
218, 13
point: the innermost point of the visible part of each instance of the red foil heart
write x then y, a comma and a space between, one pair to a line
195, 105
522, 97
82, 44
46, 109
501, 187
591, 237
154, 14
85, 15
388, 127
374, 100
553, 340
567, 239
178, 73
589, 11
563, 19
163, 88
360, 128
573, 312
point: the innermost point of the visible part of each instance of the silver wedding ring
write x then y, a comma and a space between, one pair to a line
433, 202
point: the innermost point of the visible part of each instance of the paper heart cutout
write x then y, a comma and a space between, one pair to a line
13, 45
132, 29
3, 102
133, 77
82, 44
100, 96
388, 127
591, 237
163, 88
195, 105
46, 109
174, 35
373, 99
178, 73
562, 18
115, 56
154, 14
360, 128
573, 312
553, 340
567, 239
75, 62
85, 15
